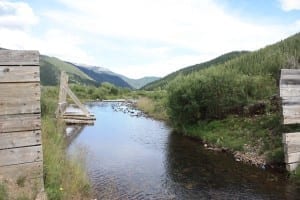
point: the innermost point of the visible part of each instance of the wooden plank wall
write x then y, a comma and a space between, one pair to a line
290, 95
20, 116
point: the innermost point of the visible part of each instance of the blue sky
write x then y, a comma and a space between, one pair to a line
145, 37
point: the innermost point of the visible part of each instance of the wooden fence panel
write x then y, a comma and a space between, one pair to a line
13, 123
19, 58
21, 155
21, 152
20, 139
13, 74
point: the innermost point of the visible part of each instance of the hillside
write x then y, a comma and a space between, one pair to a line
139, 83
101, 74
161, 83
226, 88
51, 68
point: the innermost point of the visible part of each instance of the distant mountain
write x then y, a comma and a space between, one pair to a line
51, 68
162, 83
101, 74
139, 83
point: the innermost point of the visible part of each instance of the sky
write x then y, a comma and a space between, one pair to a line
140, 38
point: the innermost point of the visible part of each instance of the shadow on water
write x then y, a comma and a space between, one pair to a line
138, 158
196, 173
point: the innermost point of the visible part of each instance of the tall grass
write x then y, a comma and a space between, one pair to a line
153, 104
64, 178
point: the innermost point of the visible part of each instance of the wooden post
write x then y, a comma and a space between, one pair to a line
62, 99
85, 117
21, 155
290, 94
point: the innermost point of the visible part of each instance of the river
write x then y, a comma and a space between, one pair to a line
130, 157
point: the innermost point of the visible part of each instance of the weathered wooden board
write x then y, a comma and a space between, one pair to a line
20, 139
28, 170
8, 57
21, 155
12, 74
292, 157
292, 148
291, 138
290, 101
78, 121
289, 72
19, 98
290, 91
26, 122
292, 166
291, 120
290, 80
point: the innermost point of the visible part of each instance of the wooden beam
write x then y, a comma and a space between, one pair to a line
19, 57
76, 101
289, 72
290, 91
292, 166
291, 120
19, 98
292, 148
28, 170
291, 101
291, 138
20, 139
292, 157
13, 74
26, 122
62, 98
21, 155
77, 121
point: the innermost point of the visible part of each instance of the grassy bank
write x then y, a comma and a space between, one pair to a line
258, 135
153, 104
64, 178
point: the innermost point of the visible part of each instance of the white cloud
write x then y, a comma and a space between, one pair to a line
160, 68
203, 27
200, 25
16, 15
288, 5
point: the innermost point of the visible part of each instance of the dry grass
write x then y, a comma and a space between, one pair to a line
153, 108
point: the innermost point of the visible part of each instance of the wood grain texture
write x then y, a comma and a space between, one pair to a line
21, 155
20, 139
292, 166
19, 57
289, 72
26, 122
28, 170
292, 158
291, 148
19, 98
291, 138
12, 74
290, 91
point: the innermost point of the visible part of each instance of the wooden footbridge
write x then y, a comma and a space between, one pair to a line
77, 114
290, 94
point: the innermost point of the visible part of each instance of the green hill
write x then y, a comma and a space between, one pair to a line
51, 68
139, 83
162, 83
229, 87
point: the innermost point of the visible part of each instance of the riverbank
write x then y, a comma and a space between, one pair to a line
255, 140
64, 177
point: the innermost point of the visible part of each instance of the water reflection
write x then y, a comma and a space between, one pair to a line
137, 158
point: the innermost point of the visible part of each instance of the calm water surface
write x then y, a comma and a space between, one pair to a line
130, 157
